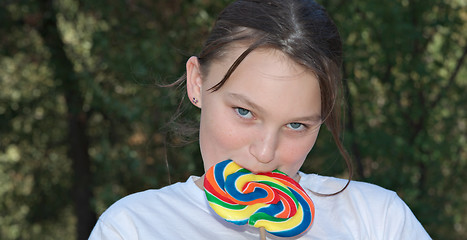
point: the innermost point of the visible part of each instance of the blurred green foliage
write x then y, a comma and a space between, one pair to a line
405, 79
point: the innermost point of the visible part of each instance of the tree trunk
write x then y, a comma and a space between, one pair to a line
67, 83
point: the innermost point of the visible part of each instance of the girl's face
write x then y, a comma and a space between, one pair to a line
266, 116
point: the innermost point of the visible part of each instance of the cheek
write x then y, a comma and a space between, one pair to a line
295, 152
220, 139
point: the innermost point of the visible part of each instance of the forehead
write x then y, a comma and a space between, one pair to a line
266, 61
233, 51
270, 79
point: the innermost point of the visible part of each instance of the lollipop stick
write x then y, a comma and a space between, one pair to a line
262, 233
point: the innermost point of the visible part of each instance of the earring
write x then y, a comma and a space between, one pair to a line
195, 101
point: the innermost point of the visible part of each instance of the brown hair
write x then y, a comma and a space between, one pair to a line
299, 28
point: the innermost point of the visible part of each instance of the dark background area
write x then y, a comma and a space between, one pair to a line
82, 120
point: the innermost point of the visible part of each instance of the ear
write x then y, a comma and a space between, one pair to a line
194, 81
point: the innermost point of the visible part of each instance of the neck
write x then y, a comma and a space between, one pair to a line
200, 182
296, 178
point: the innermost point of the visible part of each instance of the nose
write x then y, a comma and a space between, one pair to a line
263, 148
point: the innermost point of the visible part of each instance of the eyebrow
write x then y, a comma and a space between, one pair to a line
246, 101
253, 106
312, 118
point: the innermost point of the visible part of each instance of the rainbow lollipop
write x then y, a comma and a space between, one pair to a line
271, 200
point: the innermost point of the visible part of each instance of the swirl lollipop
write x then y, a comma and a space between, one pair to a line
272, 201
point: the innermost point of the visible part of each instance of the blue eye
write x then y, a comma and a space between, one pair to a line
244, 113
296, 126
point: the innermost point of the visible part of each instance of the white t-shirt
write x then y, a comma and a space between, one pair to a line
181, 211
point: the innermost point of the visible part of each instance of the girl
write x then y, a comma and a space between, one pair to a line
266, 80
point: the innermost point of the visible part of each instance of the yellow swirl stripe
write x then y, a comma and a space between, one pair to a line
236, 214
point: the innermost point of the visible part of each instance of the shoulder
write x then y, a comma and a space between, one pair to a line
127, 216
372, 211
329, 185
369, 199
153, 200
128, 209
